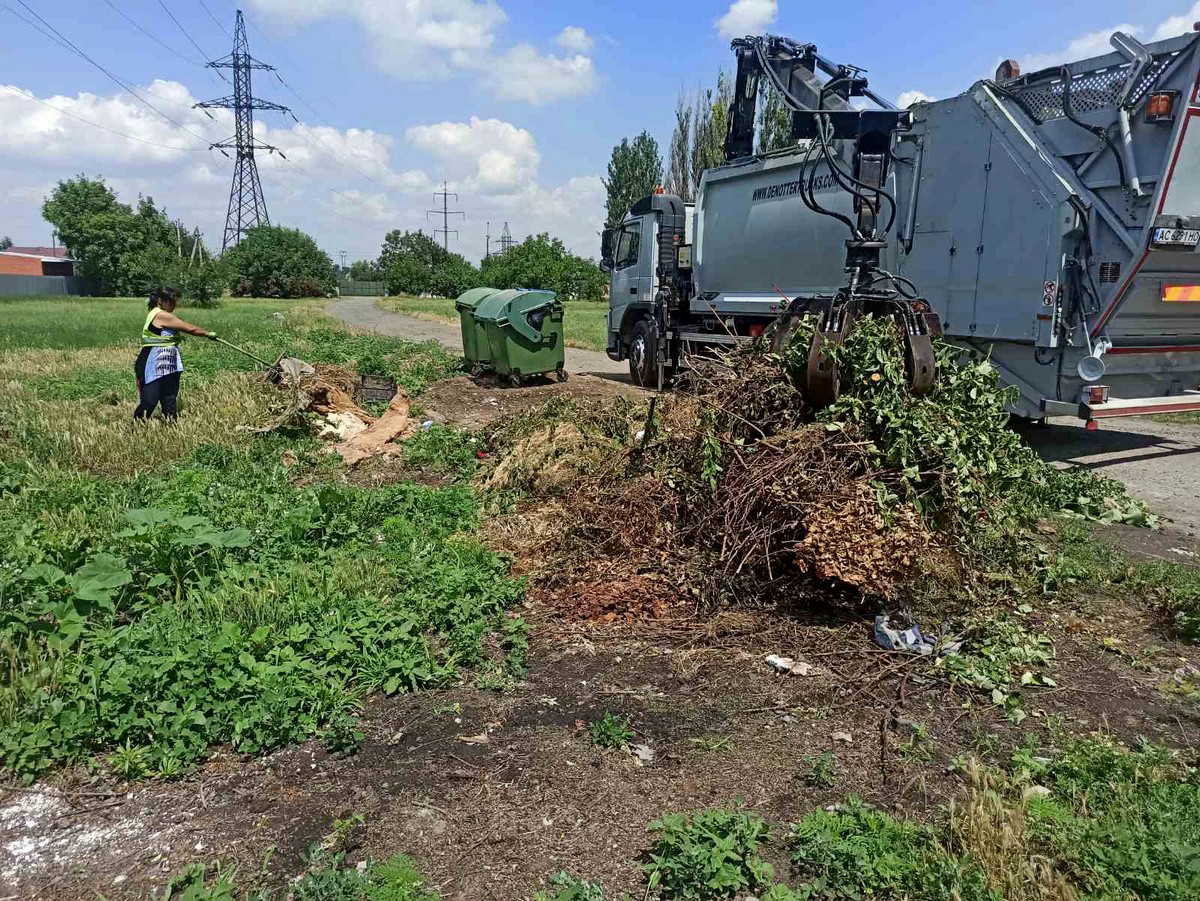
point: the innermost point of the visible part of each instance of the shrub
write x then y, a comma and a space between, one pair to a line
238, 609
709, 855
856, 851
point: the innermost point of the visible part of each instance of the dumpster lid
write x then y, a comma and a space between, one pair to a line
494, 307
469, 300
505, 306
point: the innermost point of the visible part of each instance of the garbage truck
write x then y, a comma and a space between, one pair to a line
1048, 221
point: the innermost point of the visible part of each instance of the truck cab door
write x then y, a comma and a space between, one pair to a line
632, 279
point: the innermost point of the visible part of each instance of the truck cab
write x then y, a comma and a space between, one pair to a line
642, 256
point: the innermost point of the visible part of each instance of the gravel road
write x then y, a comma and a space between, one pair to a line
364, 313
1158, 461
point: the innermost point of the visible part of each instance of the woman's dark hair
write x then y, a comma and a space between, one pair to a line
165, 292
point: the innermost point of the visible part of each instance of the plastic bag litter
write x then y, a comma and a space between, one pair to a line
293, 370
913, 641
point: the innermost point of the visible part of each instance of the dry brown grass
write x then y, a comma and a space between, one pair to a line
990, 826
103, 438
20, 367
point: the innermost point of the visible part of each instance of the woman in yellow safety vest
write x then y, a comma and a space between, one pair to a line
159, 363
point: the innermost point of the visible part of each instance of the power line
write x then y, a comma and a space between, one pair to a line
121, 134
57, 36
159, 41
333, 152
308, 129
282, 55
187, 35
216, 20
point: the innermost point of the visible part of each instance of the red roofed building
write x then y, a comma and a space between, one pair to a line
59, 253
19, 261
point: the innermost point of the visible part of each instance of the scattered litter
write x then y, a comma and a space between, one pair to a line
341, 426
480, 739
1182, 552
1037, 791
427, 424
644, 754
844, 737
786, 665
913, 641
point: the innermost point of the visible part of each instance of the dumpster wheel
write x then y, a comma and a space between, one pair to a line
561, 373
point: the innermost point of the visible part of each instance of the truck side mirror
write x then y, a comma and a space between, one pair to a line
606, 246
606, 265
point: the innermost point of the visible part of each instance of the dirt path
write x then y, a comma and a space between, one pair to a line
364, 313
1159, 462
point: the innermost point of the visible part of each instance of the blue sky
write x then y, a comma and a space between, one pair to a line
517, 103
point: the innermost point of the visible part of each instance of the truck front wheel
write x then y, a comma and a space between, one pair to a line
643, 354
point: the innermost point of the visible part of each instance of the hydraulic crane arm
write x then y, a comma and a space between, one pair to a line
852, 148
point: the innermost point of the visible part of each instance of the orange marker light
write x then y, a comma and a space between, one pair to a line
1160, 108
1181, 293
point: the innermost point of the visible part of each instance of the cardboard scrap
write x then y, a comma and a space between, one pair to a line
373, 441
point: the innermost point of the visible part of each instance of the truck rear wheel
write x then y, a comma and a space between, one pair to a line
643, 354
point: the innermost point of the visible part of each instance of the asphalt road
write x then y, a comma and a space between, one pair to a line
1159, 462
363, 313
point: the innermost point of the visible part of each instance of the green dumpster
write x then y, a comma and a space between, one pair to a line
524, 333
474, 336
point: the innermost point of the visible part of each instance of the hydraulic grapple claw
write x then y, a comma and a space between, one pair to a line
823, 378
920, 364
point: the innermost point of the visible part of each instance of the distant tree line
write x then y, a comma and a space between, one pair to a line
128, 250
413, 263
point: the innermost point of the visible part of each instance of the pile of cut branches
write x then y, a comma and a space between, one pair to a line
734, 488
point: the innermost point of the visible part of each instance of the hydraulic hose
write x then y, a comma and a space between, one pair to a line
837, 173
1098, 131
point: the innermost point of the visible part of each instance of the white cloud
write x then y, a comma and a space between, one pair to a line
524, 73
575, 39
484, 155
908, 98
427, 39
52, 130
1176, 25
1093, 43
1096, 43
411, 37
747, 17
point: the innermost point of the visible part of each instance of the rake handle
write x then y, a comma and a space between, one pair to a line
242, 350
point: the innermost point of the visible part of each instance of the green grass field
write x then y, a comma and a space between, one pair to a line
167, 587
585, 322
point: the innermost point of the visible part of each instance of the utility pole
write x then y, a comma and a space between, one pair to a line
445, 212
487, 252
343, 253
247, 206
197, 247
506, 239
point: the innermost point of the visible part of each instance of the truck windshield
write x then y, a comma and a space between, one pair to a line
628, 245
